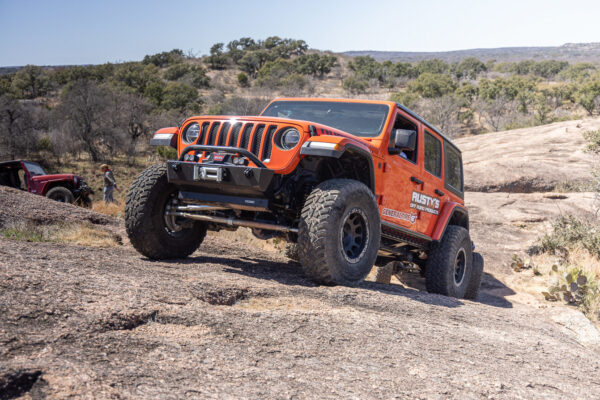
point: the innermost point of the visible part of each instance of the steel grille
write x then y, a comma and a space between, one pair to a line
246, 135
223, 134
212, 135
233, 138
268, 147
202, 136
257, 138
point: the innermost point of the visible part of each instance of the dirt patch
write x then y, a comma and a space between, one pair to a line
222, 297
126, 321
17, 383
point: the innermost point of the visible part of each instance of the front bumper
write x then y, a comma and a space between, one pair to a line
224, 179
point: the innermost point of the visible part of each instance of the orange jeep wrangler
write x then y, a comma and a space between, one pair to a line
352, 182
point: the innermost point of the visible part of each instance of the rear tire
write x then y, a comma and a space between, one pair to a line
449, 263
60, 194
146, 223
476, 276
339, 232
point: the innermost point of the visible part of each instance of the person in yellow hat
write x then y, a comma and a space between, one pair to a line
110, 184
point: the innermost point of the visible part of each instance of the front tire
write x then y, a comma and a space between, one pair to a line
60, 194
449, 263
152, 232
339, 232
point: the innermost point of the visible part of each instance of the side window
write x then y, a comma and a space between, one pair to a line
454, 174
404, 123
433, 155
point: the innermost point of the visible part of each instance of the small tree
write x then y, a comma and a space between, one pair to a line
442, 112
84, 113
30, 82
315, 64
497, 112
131, 117
432, 85
180, 96
253, 61
217, 59
355, 85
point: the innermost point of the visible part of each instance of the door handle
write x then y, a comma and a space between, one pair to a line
416, 180
439, 192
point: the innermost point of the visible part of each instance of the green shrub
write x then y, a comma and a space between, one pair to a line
355, 85
315, 64
176, 71
593, 139
166, 153
198, 78
569, 232
180, 96
165, 58
407, 99
45, 144
243, 80
217, 59
273, 73
432, 85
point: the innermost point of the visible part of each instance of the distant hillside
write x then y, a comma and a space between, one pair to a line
572, 52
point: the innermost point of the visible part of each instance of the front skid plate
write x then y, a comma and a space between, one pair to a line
233, 179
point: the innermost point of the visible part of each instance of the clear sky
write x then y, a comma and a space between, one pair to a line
54, 32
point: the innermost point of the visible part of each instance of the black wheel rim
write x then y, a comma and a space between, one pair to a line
354, 235
460, 266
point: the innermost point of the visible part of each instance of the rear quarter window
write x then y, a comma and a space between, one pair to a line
454, 172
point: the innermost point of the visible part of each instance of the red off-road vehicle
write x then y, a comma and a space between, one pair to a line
352, 182
30, 176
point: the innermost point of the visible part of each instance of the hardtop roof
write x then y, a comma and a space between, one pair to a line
390, 103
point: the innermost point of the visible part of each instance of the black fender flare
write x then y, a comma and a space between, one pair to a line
332, 152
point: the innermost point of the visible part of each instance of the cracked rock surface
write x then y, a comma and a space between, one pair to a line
238, 323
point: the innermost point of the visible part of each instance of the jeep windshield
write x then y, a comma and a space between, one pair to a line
359, 119
34, 169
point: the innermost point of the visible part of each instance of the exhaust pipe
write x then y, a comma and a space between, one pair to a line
236, 222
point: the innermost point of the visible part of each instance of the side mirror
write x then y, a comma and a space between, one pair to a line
403, 139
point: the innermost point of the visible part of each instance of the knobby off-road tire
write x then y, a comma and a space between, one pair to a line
339, 232
145, 219
449, 263
476, 275
60, 194
383, 273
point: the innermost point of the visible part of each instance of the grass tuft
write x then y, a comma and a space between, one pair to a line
80, 234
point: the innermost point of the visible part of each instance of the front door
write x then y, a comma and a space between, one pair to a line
400, 178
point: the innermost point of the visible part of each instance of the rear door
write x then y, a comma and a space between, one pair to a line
431, 196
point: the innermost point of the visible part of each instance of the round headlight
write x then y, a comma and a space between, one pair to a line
290, 139
190, 135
